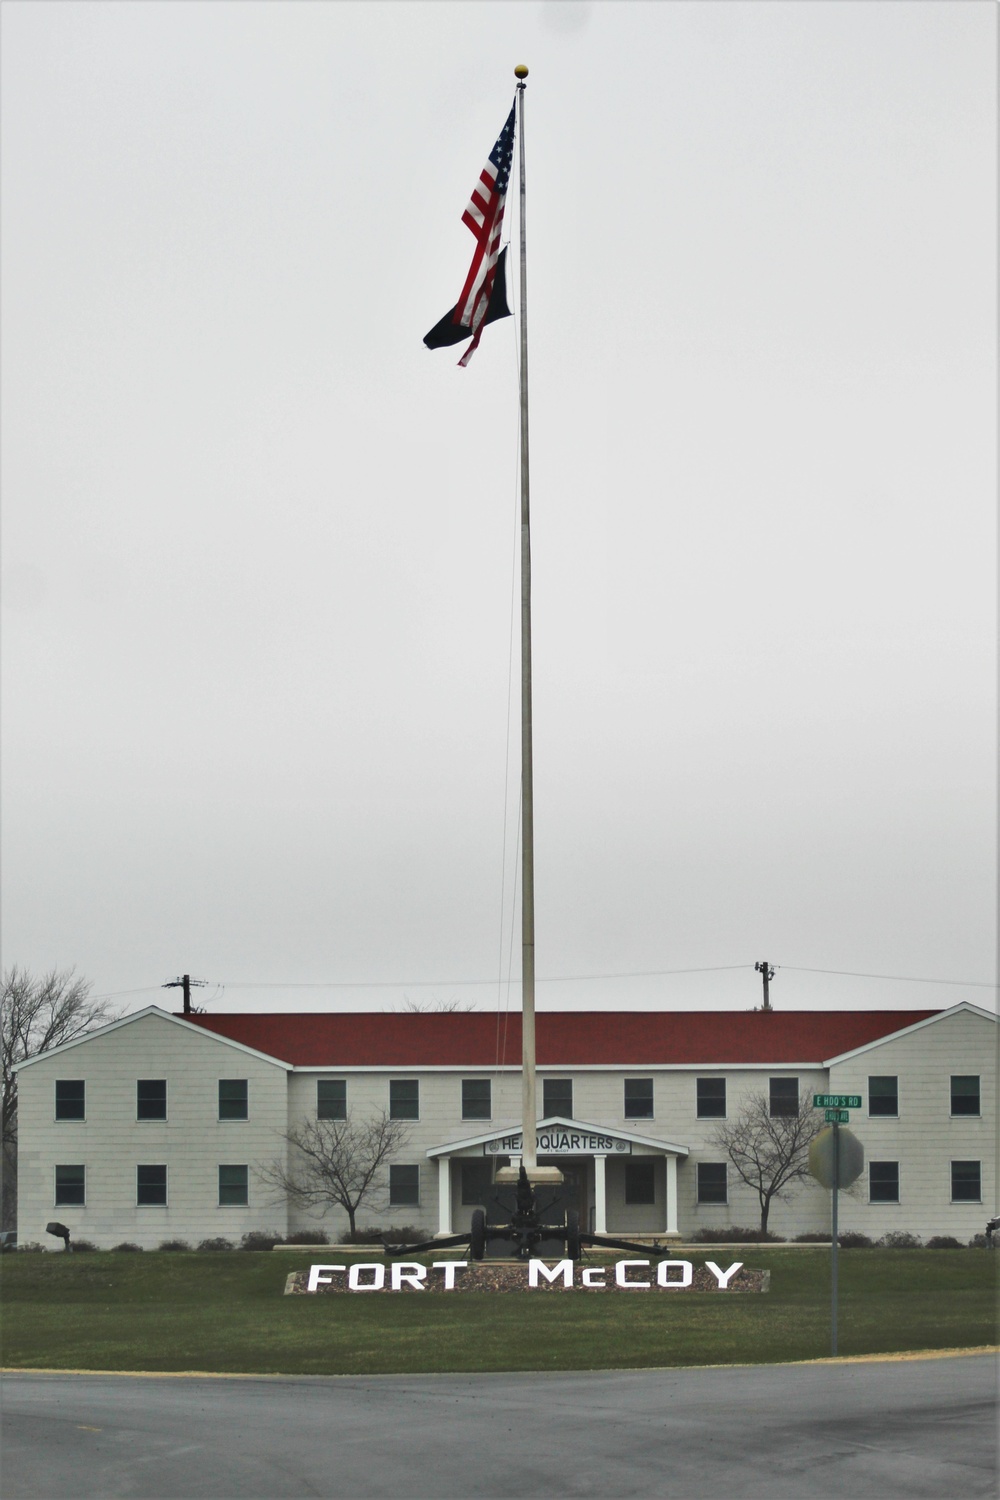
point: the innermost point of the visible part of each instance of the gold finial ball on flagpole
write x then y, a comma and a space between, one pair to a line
520, 71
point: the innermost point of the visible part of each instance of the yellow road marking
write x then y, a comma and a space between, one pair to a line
840, 1359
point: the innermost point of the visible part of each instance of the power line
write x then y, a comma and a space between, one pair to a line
978, 984
387, 984
414, 984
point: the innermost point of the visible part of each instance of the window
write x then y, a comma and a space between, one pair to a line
151, 1099
883, 1095
883, 1181
966, 1184
71, 1187
711, 1098
234, 1187
331, 1099
151, 1187
404, 1099
477, 1182
477, 1101
233, 1099
784, 1096
640, 1182
965, 1093
404, 1187
557, 1098
638, 1098
713, 1182
71, 1099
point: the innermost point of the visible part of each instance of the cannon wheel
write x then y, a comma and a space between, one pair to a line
477, 1238
573, 1234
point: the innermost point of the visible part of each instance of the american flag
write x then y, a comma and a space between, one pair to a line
484, 216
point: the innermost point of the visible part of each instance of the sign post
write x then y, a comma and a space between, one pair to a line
836, 1159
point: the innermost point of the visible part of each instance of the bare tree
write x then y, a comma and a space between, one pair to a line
38, 1013
437, 1007
337, 1162
770, 1152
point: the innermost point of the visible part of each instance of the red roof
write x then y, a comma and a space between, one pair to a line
563, 1038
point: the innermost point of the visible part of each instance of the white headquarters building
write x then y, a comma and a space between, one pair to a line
155, 1127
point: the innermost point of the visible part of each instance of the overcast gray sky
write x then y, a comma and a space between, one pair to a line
259, 542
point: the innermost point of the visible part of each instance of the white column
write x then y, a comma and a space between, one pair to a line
600, 1196
671, 1204
444, 1196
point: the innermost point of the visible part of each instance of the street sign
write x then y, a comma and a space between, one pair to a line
851, 1156
838, 1116
836, 1101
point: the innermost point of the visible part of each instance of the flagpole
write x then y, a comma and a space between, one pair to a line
528, 1093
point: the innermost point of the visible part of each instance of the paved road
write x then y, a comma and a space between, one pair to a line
908, 1429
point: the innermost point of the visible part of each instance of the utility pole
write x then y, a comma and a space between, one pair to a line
185, 982
766, 973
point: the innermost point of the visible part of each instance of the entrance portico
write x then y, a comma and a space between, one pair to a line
600, 1152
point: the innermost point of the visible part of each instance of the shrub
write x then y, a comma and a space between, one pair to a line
85, 1247
900, 1239
306, 1237
34, 1248
260, 1239
360, 1237
405, 1234
126, 1245
173, 1245
814, 1237
733, 1234
216, 1244
978, 1242
853, 1240
944, 1242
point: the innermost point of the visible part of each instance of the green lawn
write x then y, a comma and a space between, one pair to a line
226, 1312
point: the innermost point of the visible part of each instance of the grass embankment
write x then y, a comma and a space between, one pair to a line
226, 1312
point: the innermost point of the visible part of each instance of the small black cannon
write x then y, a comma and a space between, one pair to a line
524, 1231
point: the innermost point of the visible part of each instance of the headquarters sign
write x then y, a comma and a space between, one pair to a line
555, 1140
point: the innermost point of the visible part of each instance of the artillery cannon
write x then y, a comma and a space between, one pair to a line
524, 1232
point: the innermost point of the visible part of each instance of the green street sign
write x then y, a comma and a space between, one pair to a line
836, 1101
838, 1116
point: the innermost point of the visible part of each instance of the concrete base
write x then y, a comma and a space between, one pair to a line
549, 1176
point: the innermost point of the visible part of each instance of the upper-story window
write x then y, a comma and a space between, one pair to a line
234, 1100
965, 1093
711, 1098
151, 1099
404, 1099
477, 1100
557, 1098
638, 1098
883, 1094
784, 1096
71, 1099
331, 1099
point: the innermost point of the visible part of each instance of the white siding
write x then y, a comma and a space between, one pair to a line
192, 1143
925, 1138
